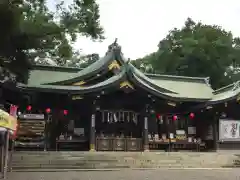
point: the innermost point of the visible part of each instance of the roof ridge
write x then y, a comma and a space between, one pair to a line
53, 67
204, 79
112, 49
232, 87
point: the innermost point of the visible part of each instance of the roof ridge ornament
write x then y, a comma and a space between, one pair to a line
114, 46
236, 85
115, 42
207, 81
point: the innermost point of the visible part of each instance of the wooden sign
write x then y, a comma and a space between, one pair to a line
76, 97
229, 130
31, 116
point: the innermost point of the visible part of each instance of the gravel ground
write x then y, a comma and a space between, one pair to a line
161, 174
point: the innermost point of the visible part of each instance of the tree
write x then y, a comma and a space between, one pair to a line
82, 61
56, 32
197, 50
12, 56
29, 30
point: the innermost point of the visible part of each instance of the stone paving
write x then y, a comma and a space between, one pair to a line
200, 174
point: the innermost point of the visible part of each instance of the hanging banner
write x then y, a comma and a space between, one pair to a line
229, 130
7, 121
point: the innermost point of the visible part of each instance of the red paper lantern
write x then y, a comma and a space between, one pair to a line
65, 112
191, 115
158, 116
175, 117
29, 108
48, 110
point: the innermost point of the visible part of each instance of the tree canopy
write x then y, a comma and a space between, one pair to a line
195, 50
29, 29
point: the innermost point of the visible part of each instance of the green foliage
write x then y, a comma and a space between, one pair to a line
55, 32
29, 29
196, 50
81, 61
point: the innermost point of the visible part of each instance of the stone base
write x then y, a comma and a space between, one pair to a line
92, 147
146, 148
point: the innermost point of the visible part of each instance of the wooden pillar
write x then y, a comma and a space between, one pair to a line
145, 135
92, 127
92, 132
145, 130
215, 131
46, 139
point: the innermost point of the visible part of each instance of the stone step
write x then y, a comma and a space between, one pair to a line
113, 160
109, 166
95, 158
103, 156
68, 160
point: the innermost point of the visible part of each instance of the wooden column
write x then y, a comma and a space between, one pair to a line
92, 127
92, 132
145, 134
215, 130
145, 130
46, 139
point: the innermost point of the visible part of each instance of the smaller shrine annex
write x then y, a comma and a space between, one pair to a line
113, 106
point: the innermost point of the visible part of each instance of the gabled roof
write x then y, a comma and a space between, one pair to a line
188, 87
175, 87
44, 74
59, 75
57, 79
113, 81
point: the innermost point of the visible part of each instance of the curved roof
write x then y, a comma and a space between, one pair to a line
176, 87
68, 75
172, 88
179, 88
187, 88
115, 80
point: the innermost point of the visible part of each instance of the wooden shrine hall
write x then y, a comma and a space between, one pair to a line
112, 106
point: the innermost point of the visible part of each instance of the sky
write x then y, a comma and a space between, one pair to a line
139, 25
